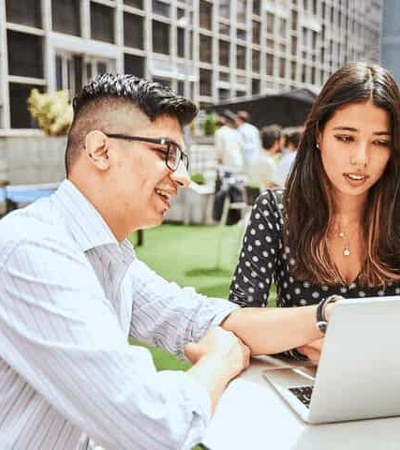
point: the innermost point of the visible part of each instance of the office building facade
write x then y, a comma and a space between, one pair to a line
208, 50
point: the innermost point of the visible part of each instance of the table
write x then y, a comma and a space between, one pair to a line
252, 416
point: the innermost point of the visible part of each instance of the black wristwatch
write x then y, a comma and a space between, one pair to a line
322, 323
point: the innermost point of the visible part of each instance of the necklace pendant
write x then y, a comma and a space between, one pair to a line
346, 252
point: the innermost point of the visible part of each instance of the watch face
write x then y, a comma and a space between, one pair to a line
321, 325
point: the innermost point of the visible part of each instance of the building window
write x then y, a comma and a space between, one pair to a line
19, 114
257, 7
133, 31
24, 12
225, 9
256, 61
270, 64
69, 72
160, 37
205, 82
205, 15
135, 65
181, 42
205, 48
25, 56
102, 22
224, 53
241, 57
161, 8
241, 6
270, 23
66, 16
135, 3
256, 33
255, 86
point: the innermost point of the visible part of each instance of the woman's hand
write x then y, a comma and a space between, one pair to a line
312, 350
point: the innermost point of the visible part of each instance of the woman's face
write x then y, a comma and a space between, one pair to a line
355, 147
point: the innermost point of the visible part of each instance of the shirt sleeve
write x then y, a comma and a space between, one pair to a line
254, 273
166, 315
61, 335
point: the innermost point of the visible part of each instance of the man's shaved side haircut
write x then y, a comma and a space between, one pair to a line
110, 97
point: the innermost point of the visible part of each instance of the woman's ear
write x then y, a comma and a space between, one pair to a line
96, 146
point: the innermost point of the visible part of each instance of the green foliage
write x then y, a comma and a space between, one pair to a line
52, 111
198, 178
209, 125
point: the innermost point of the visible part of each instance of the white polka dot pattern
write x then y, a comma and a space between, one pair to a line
265, 259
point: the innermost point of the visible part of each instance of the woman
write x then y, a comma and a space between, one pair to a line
336, 228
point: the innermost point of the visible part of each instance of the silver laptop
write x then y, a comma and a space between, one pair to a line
358, 376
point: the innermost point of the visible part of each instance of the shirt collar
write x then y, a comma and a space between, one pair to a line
85, 223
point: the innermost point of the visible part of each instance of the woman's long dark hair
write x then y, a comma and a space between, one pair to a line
308, 200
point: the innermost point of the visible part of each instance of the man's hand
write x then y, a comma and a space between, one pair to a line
217, 358
223, 347
312, 350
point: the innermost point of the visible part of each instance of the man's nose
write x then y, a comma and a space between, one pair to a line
181, 175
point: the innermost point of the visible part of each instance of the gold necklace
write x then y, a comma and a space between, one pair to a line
346, 242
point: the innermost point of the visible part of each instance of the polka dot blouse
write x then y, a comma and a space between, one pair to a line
264, 260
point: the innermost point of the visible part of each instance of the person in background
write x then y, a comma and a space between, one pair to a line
228, 146
73, 291
336, 231
263, 170
288, 156
250, 136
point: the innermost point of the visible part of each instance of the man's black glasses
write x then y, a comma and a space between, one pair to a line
173, 153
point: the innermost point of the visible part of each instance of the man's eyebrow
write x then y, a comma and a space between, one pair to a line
356, 130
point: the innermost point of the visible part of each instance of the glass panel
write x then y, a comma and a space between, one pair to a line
241, 57
256, 61
241, 34
134, 65
181, 42
205, 15
135, 3
205, 82
160, 37
25, 56
161, 8
25, 12
224, 8
66, 16
205, 48
180, 88
241, 6
270, 23
102, 22
133, 31
224, 53
257, 7
20, 117
59, 76
270, 64
224, 28
255, 86
256, 35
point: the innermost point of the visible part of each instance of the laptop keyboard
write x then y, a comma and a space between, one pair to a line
303, 393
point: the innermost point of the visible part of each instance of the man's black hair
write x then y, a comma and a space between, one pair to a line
154, 99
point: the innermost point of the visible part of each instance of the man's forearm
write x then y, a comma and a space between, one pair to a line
273, 330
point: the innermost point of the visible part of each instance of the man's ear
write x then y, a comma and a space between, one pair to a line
96, 145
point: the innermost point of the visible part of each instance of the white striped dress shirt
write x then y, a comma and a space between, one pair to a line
70, 296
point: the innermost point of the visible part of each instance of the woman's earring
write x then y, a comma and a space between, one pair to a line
317, 145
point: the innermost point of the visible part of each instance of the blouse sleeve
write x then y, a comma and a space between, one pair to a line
261, 246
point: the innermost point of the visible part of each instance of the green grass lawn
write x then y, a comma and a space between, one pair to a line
188, 255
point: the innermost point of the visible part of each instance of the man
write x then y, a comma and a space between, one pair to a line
263, 171
288, 155
250, 136
72, 292
228, 145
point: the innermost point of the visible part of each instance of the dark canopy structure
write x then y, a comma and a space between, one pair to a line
288, 109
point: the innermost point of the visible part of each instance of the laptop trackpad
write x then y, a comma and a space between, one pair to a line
289, 377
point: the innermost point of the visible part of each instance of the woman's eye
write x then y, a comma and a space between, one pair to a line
344, 139
382, 143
